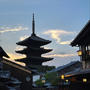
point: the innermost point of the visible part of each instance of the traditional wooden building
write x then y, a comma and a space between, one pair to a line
70, 67
2, 54
82, 41
80, 79
23, 74
13, 75
7, 81
34, 49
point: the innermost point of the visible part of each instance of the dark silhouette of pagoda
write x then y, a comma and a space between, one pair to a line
34, 50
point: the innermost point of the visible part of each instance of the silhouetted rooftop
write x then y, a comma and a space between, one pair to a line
30, 49
32, 40
31, 60
65, 66
83, 38
3, 53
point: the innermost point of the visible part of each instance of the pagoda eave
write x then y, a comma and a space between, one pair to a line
33, 43
34, 40
28, 50
34, 59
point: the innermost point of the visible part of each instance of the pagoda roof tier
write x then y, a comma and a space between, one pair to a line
3, 53
30, 49
34, 40
33, 60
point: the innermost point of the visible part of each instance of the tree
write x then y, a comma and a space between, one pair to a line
52, 78
39, 83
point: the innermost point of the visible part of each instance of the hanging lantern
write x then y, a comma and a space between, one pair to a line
84, 80
79, 53
62, 76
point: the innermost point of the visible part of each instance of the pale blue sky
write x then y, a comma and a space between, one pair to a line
67, 17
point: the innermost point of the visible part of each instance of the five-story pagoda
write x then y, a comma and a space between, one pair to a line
34, 49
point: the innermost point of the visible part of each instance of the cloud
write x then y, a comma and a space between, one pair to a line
16, 56
56, 34
23, 37
65, 42
61, 59
4, 29
19, 48
60, 55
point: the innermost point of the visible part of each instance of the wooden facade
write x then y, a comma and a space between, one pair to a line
20, 72
82, 40
80, 80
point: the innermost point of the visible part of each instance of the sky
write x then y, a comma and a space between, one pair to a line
56, 20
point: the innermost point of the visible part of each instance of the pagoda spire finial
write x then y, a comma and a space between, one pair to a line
33, 26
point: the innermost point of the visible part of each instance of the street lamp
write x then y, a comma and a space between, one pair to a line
43, 80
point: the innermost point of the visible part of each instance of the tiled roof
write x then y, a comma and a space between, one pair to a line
83, 38
3, 53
